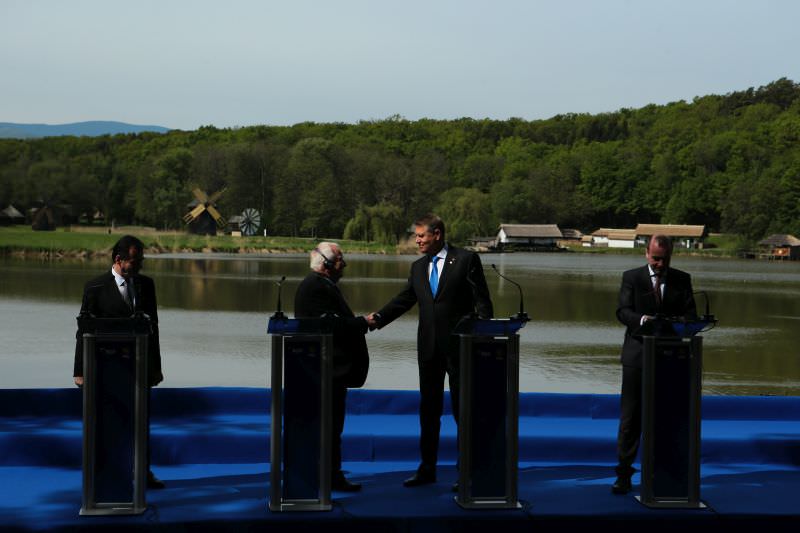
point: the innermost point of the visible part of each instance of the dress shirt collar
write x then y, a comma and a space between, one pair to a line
653, 277
442, 253
117, 278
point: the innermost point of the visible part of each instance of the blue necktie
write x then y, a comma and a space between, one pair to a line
434, 279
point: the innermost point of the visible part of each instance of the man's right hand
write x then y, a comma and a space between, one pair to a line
78, 381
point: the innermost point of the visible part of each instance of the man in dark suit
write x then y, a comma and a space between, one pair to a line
447, 283
318, 295
119, 293
651, 290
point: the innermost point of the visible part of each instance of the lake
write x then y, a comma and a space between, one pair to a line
213, 311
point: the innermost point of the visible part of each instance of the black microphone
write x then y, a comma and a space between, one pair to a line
522, 314
278, 312
707, 317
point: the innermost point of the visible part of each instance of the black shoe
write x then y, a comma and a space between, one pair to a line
340, 484
153, 482
455, 486
421, 477
621, 486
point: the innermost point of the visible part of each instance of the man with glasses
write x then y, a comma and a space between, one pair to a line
317, 295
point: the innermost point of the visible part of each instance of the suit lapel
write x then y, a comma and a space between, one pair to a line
422, 276
342, 302
647, 287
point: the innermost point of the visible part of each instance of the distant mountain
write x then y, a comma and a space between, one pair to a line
94, 128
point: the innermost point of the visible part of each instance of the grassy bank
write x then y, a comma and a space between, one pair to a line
22, 240
87, 241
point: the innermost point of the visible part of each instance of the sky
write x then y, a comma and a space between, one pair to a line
231, 63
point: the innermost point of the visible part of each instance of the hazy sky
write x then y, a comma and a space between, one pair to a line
183, 64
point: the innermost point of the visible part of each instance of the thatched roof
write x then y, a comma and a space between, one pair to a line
12, 212
569, 233
622, 234
780, 240
670, 230
532, 230
605, 232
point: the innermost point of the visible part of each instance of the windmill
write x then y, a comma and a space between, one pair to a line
250, 221
204, 218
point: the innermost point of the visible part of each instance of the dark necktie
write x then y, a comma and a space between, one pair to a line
657, 290
434, 279
127, 293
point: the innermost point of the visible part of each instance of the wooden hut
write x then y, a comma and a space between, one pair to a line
780, 246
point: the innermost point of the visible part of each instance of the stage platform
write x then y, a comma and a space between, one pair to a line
211, 446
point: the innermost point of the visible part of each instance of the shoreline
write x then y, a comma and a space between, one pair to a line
55, 253
77, 242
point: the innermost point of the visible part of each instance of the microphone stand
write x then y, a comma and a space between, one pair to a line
278, 313
521, 315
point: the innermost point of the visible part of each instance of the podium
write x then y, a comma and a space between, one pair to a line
671, 392
488, 431
115, 400
300, 439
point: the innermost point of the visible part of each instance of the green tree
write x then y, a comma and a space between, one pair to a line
467, 213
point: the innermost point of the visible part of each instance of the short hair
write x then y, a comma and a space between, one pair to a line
122, 247
431, 223
661, 240
328, 249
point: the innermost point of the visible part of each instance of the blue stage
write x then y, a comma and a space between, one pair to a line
211, 446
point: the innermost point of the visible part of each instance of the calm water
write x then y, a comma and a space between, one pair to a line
213, 312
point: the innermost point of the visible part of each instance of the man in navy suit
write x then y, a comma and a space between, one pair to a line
651, 290
318, 295
447, 283
118, 293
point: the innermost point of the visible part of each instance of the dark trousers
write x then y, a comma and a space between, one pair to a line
431, 388
338, 404
630, 420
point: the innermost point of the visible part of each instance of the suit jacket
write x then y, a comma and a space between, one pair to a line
462, 291
637, 298
102, 299
317, 296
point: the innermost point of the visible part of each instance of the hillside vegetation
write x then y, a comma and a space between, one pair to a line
730, 161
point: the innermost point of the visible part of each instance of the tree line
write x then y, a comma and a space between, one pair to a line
730, 161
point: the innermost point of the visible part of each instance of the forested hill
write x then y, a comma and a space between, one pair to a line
729, 161
91, 128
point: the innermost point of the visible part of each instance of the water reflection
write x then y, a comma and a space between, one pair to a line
214, 308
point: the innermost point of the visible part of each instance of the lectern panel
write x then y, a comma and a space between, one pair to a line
488, 395
671, 421
671, 388
301, 418
115, 416
488, 436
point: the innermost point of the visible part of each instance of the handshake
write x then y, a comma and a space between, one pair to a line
373, 321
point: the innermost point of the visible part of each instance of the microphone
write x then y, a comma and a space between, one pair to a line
278, 312
707, 317
522, 314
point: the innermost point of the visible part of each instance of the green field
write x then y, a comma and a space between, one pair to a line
90, 241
